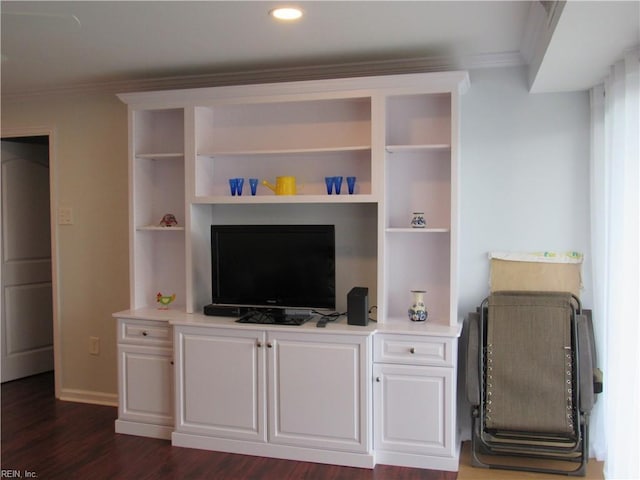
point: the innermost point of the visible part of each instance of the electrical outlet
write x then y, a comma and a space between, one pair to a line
94, 345
65, 216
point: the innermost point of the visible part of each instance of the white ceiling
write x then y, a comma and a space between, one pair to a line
60, 46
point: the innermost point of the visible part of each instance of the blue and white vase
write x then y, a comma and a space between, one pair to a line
417, 311
418, 221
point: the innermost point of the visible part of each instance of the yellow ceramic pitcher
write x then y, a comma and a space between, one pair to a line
284, 185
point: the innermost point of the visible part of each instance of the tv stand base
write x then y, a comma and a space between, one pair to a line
331, 457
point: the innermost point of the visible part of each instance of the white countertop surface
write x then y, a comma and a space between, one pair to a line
177, 317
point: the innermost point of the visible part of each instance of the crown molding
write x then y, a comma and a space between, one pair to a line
285, 74
494, 60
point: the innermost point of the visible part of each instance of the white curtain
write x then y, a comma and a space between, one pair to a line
615, 224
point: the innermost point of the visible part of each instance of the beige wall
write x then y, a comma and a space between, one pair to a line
90, 173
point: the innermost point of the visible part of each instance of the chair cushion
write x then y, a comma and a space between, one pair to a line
529, 384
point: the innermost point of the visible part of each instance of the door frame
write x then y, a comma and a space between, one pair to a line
53, 207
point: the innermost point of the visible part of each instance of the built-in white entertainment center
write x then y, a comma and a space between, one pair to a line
343, 394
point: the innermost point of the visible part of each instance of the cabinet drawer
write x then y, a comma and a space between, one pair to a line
414, 350
144, 332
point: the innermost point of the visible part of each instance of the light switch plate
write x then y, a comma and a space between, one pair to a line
65, 216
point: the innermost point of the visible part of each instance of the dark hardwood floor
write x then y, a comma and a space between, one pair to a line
63, 440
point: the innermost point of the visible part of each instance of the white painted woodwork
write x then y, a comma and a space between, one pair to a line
309, 395
318, 391
222, 375
145, 378
398, 135
27, 301
420, 176
221, 383
144, 332
414, 350
414, 398
146, 384
157, 187
412, 409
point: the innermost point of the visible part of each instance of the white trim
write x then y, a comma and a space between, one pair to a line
50, 132
278, 75
431, 462
331, 457
86, 396
437, 82
162, 432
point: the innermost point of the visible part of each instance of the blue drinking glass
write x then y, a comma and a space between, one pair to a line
233, 185
351, 183
239, 185
329, 181
253, 183
337, 184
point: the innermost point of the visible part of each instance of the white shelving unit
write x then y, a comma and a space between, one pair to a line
157, 187
420, 176
266, 138
399, 136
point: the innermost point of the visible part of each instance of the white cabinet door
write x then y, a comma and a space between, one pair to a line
146, 384
220, 382
318, 387
413, 409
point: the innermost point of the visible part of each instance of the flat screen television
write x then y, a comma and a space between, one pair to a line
274, 266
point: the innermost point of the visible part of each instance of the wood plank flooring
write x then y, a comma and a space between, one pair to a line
467, 472
64, 440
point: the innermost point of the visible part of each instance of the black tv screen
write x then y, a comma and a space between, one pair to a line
273, 265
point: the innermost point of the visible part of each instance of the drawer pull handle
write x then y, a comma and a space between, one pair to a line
412, 350
259, 344
378, 379
270, 345
144, 333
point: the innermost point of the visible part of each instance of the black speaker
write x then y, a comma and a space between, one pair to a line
358, 306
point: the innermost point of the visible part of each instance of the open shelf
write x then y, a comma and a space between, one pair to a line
281, 126
416, 230
441, 147
158, 132
272, 198
160, 156
285, 151
309, 166
159, 228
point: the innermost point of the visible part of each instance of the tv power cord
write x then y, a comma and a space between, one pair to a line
326, 318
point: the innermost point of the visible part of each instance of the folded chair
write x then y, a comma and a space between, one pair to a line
531, 379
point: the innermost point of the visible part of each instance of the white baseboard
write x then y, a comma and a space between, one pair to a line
87, 396
359, 460
431, 462
145, 430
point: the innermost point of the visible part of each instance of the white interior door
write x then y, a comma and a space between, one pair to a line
27, 303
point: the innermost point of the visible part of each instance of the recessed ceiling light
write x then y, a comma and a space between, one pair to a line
286, 13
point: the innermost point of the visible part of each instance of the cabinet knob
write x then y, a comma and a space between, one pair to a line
378, 379
258, 344
412, 350
270, 345
144, 333
171, 362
